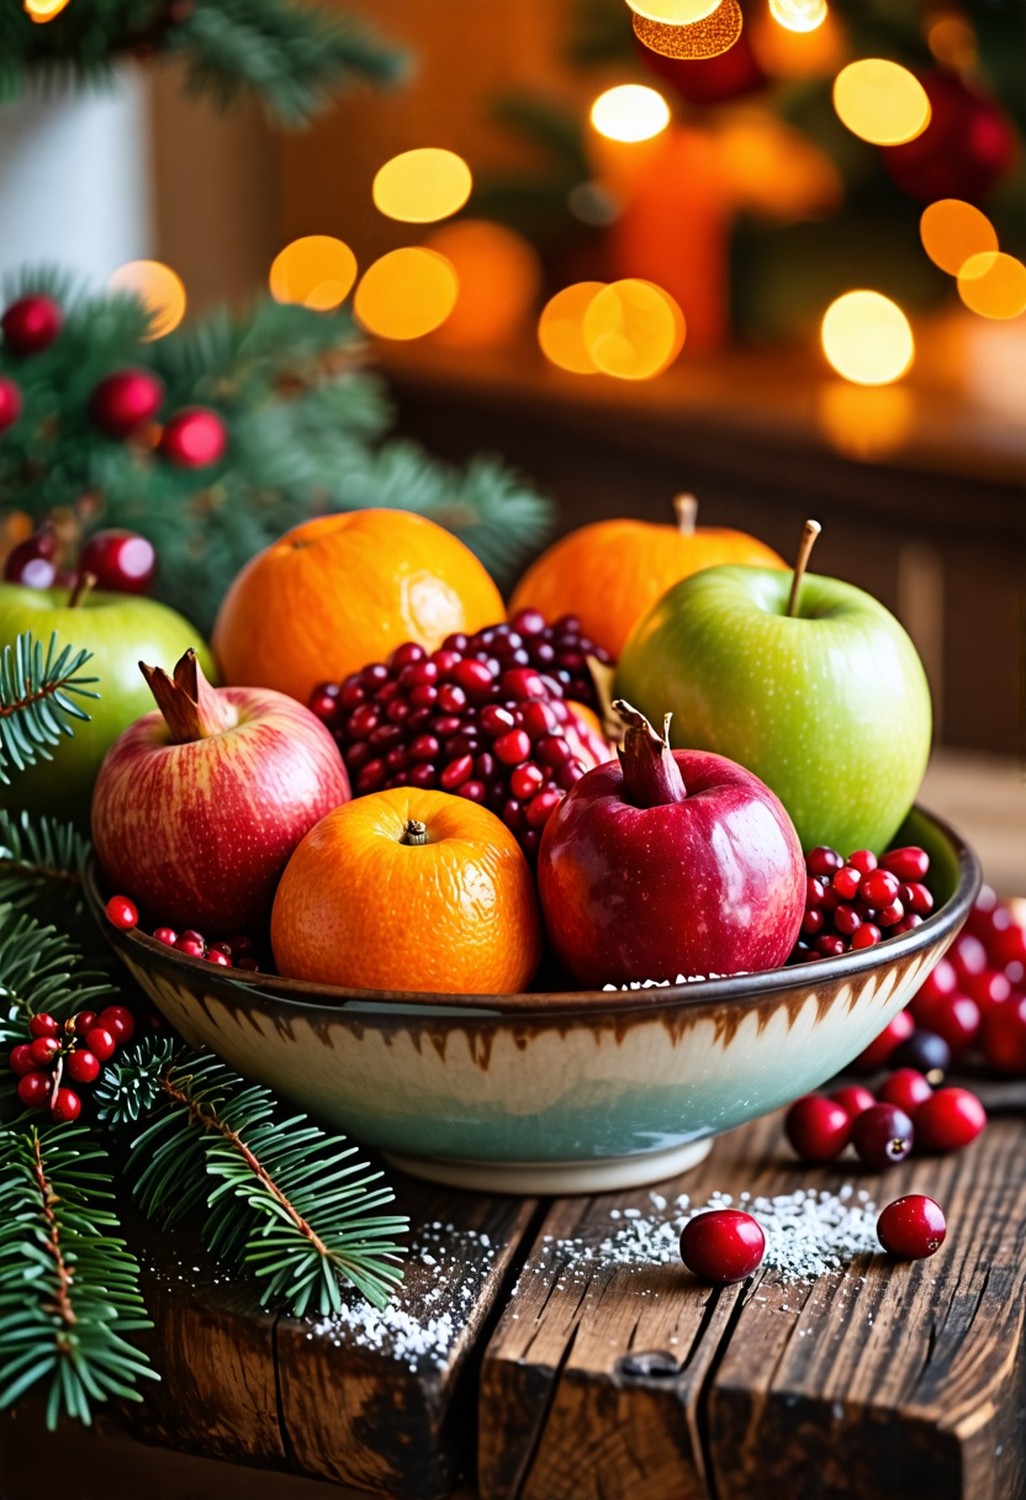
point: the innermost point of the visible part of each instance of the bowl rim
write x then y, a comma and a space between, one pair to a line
305, 994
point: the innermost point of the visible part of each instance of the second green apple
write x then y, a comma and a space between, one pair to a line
830, 706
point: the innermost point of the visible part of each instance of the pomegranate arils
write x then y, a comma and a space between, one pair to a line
909, 863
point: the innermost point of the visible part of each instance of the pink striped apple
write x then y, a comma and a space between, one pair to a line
199, 805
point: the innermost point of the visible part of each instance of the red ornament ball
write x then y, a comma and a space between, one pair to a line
124, 400
30, 325
194, 438
10, 403
122, 913
912, 1227
966, 148
710, 80
722, 1245
121, 561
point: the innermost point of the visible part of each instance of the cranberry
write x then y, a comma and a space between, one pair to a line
912, 1227
989, 989
122, 913
941, 980
866, 936
916, 898
949, 1120
908, 863
166, 935
906, 1088
847, 920
968, 956
1004, 1037
846, 882
43, 1025
34, 1089
883, 1135
830, 945
853, 1099
897, 1030
82, 1066
956, 1018
818, 1128
927, 1052
83, 1022
65, 1106
1010, 945
44, 1049
21, 1061
215, 956
722, 1245
101, 1043
119, 1021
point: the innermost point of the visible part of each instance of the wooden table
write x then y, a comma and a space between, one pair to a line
563, 1377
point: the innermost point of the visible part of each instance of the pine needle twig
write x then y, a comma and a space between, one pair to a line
37, 698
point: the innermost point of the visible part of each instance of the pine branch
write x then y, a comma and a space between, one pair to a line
37, 698
42, 970
282, 1199
69, 1287
40, 863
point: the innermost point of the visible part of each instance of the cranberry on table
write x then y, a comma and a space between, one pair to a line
954, 1017
949, 1120
883, 1135
1004, 1037
853, 1099
912, 1228
875, 1056
818, 1128
722, 1245
906, 1088
122, 913
925, 1051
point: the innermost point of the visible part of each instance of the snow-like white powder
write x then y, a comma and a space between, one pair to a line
656, 984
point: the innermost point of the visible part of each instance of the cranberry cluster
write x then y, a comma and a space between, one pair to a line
233, 953
75, 1049
905, 1111
485, 717
855, 902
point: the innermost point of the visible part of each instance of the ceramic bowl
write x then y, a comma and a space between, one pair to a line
563, 1091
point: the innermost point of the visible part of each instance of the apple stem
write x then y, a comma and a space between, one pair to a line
651, 775
810, 532
84, 584
192, 709
415, 832
685, 508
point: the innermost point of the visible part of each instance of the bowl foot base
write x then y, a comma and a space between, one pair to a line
549, 1178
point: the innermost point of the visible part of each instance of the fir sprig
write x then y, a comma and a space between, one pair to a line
37, 698
281, 1198
42, 970
69, 1287
40, 863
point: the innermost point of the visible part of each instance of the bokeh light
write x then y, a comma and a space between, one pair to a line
406, 293
316, 270
881, 102
709, 38
561, 327
993, 285
951, 39
783, 53
42, 11
630, 112
499, 275
674, 12
594, 203
865, 422
952, 231
161, 291
867, 338
799, 15
422, 186
633, 330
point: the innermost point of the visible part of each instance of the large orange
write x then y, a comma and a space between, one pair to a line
408, 890
610, 573
344, 590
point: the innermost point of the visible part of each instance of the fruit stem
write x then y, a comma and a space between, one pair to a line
192, 709
810, 532
685, 508
651, 775
415, 832
84, 585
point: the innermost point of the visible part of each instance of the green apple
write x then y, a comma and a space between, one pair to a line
120, 630
829, 705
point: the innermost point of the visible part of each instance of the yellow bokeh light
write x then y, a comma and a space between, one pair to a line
316, 270
952, 231
406, 293
499, 275
867, 338
161, 291
783, 53
42, 11
422, 186
865, 422
630, 112
709, 38
881, 102
951, 39
993, 285
561, 327
674, 12
633, 329
799, 15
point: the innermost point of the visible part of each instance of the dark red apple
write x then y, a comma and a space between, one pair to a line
669, 863
199, 805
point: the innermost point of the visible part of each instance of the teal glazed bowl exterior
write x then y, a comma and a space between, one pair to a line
562, 1091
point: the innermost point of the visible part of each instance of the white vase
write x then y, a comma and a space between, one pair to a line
74, 178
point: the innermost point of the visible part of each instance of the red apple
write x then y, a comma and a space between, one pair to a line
199, 805
672, 862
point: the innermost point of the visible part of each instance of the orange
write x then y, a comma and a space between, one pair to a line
610, 573
408, 890
342, 591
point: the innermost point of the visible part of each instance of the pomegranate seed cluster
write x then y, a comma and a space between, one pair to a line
484, 717
60, 1053
855, 902
906, 1112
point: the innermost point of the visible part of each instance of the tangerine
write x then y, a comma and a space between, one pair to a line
343, 590
408, 890
610, 573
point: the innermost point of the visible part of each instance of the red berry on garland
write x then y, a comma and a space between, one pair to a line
66, 1106
194, 438
964, 150
10, 403
21, 1061
34, 1090
818, 1128
82, 1066
124, 401
43, 1025
101, 1043
119, 1021
84, 1023
912, 1227
122, 561
949, 1120
122, 913
44, 1049
30, 325
723, 1245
